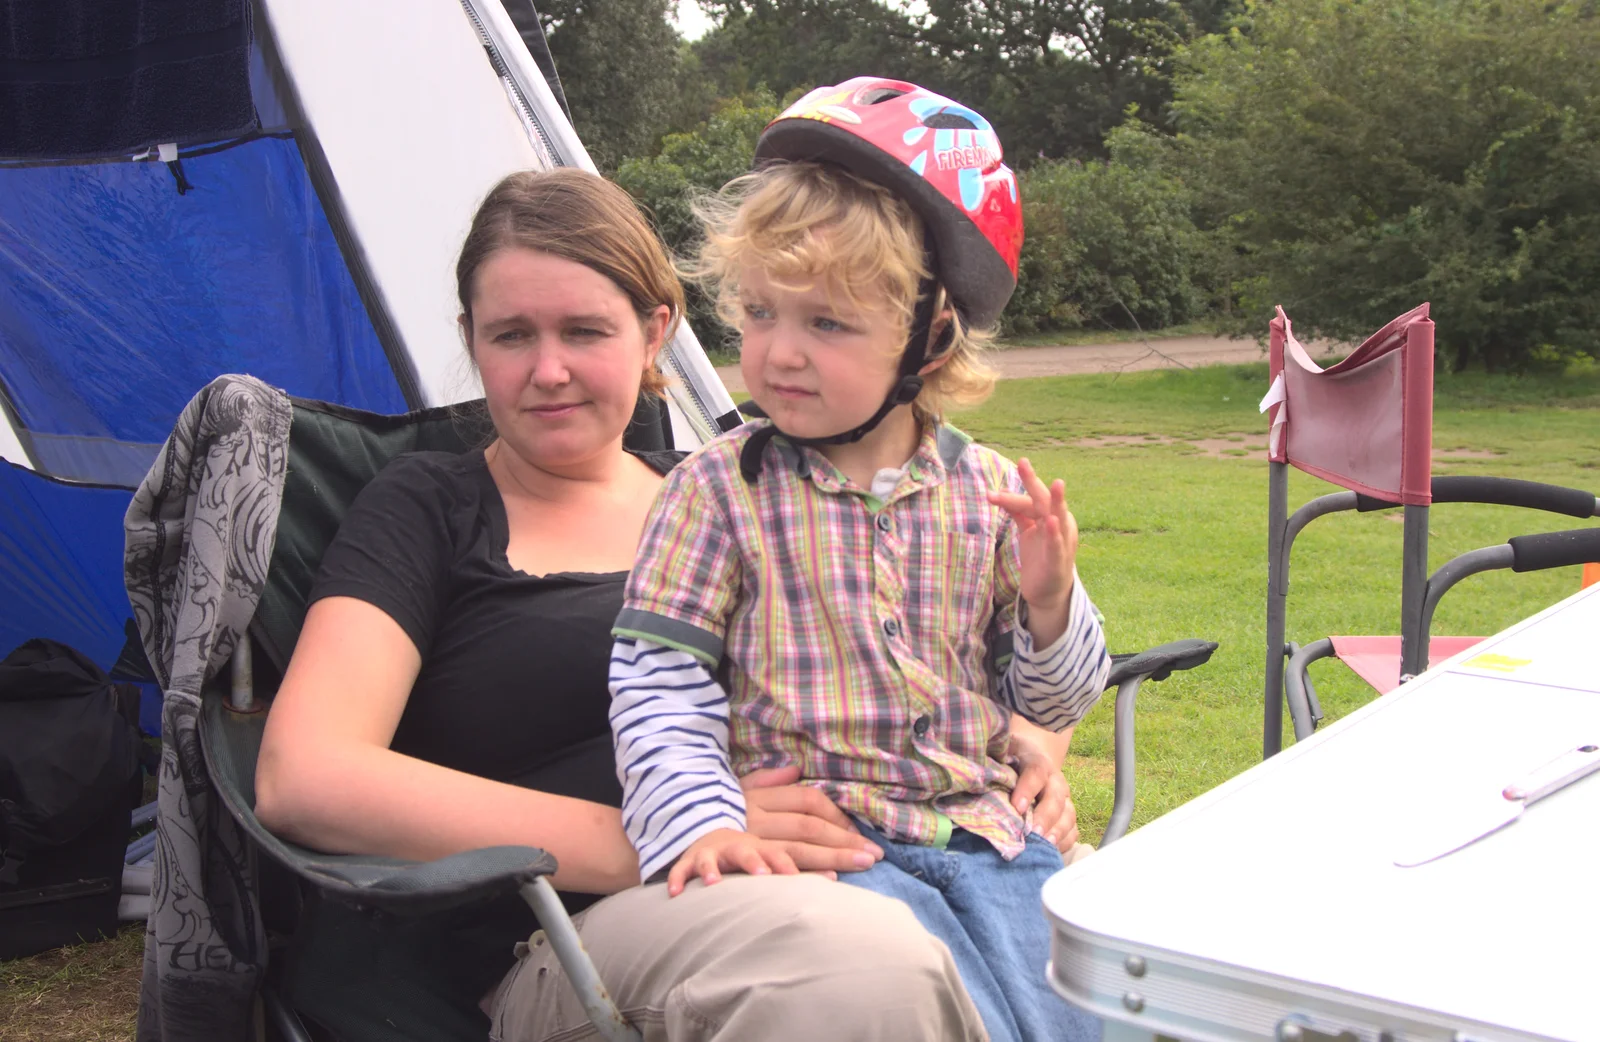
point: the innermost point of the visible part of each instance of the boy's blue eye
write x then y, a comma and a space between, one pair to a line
758, 312
828, 325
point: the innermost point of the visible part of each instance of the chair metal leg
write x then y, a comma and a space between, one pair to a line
579, 968
284, 1019
1413, 593
1122, 743
1278, 592
1296, 687
241, 690
1453, 571
1277, 595
1313, 703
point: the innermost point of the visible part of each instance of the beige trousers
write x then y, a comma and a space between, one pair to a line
752, 958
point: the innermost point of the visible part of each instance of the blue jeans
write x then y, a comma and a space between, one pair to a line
987, 911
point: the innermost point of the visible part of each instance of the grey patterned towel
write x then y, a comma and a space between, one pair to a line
200, 533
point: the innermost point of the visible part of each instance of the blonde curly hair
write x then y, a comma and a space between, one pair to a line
804, 222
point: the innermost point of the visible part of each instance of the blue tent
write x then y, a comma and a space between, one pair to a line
154, 235
126, 284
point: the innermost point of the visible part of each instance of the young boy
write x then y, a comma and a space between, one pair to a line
849, 585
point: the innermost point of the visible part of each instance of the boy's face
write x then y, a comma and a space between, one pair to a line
816, 363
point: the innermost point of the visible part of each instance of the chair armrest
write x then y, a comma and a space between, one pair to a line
1523, 553
419, 887
1510, 492
1127, 673
1158, 663
1530, 553
230, 742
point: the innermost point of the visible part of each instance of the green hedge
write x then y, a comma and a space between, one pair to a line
1352, 158
1108, 244
702, 160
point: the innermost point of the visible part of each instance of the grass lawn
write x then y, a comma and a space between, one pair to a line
1166, 475
1164, 471
87, 993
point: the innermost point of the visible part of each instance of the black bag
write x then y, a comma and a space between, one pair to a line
69, 780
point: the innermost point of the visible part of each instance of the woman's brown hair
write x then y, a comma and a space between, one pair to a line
585, 219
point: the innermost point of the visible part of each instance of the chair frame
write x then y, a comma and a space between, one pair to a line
1520, 554
488, 871
233, 714
1419, 592
228, 722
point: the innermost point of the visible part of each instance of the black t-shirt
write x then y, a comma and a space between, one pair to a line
512, 687
514, 666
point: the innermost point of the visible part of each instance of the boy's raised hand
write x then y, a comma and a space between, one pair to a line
728, 850
1047, 538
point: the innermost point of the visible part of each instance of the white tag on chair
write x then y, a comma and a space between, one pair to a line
1277, 395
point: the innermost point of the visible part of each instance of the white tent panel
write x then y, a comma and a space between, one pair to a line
416, 128
10, 445
502, 35
697, 395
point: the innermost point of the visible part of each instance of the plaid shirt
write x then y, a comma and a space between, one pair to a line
873, 644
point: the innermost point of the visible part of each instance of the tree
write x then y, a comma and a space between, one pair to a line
1357, 157
1055, 76
619, 64
698, 161
781, 45
1109, 243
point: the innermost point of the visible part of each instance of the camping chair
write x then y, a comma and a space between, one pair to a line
1366, 424
331, 454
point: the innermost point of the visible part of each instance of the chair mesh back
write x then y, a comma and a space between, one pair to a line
333, 452
1366, 423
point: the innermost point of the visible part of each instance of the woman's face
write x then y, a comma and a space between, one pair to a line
561, 353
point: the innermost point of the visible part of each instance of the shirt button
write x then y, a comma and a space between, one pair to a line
921, 725
884, 524
891, 627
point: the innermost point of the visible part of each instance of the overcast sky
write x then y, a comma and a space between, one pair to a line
692, 22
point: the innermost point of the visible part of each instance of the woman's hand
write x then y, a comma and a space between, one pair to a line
815, 833
1039, 755
1047, 541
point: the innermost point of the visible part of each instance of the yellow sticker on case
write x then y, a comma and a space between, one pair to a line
1497, 663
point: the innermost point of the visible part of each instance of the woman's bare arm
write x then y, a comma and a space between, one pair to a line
328, 779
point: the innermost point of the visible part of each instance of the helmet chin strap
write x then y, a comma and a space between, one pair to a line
918, 352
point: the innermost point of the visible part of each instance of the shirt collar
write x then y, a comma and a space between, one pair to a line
939, 450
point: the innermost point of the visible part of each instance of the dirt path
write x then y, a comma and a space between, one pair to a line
1108, 358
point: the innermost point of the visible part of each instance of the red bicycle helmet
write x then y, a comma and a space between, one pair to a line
941, 157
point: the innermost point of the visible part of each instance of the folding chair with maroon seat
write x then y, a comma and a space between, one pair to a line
1366, 424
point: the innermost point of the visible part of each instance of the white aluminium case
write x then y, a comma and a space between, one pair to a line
1271, 907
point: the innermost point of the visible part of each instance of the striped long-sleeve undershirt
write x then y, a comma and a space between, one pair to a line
669, 726
670, 718
1055, 686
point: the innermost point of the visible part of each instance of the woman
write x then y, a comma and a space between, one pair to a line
448, 692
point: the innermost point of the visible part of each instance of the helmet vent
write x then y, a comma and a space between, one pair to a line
877, 94
949, 121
